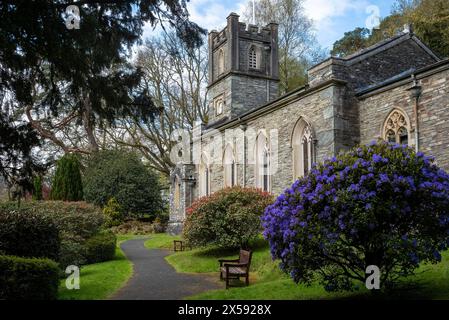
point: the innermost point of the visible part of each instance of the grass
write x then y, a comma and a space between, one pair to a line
268, 282
161, 241
100, 280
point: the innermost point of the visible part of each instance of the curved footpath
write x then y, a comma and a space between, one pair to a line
154, 279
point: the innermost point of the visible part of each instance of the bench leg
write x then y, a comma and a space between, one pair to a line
247, 280
227, 282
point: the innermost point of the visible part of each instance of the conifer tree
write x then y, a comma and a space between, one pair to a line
67, 183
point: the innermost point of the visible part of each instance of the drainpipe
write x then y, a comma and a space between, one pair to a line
416, 91
243, 126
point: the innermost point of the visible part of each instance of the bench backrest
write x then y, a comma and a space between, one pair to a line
245, 257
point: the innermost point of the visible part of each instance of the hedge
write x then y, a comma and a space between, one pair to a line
28, 234
28, 278
101, 247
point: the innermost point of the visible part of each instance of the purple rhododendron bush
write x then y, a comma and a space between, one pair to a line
380, 204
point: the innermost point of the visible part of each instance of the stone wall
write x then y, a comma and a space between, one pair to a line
433, 113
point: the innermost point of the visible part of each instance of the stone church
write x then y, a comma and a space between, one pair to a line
397, 90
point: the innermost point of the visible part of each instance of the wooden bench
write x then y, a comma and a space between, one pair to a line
236, 268
179, 245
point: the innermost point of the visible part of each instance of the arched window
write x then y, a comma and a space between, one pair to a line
221, 61
262, 172
204, 176
229, 166
396, 128
252, 58
303, 149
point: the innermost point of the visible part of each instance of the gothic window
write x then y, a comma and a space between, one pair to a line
219, 105
303, 149
221, 61
262, 163
252, 58
396, 128
229, 166
204, 176
266, 171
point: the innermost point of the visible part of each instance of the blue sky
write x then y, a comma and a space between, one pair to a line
331, 17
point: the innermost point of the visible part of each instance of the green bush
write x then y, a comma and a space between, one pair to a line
101, 247
229, 218
28, 234
113, 212
123, 176
76, 221
135, 227
28, 278
67, 184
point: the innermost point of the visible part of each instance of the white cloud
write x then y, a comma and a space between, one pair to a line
212, 14
322, 10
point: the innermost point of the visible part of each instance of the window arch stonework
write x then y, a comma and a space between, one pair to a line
221, 62
396, 128
254, 57
204, 176
262, 172
303, 145
229, 167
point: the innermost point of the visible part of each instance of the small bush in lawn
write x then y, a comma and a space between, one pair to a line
380, 204
28, 234
113, 212
28, 278
101, 247
229, 218
135, 227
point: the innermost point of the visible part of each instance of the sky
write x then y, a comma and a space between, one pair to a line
331, 18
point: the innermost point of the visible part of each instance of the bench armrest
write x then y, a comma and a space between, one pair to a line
221, 261
237, 265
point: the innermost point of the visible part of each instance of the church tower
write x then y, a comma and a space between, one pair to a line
243, 68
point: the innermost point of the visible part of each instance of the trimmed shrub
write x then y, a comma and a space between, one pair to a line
229, 218
380, 204
113, 212
135, 227
101, 247
123, 176
76, 221
28, 234
28, 278
67, 184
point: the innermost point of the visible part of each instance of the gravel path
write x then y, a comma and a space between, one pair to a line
154, 279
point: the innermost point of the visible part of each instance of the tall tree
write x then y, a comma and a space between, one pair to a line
297, 45
72, 81
429, 19
352, 41
175, 77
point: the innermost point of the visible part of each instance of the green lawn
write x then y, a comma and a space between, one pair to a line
100, 280
267, 282
161, 241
